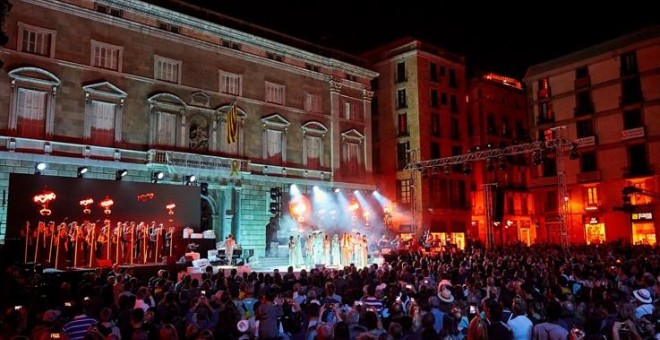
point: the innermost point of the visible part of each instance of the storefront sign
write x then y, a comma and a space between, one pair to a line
642, 216
591, 220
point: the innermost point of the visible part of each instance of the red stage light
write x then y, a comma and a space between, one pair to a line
300, 207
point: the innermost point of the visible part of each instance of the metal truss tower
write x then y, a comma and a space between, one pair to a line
558, 144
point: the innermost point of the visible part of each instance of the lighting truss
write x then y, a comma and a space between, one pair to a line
494, 153
559, 145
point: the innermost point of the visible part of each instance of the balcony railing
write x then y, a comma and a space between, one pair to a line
631, 98
516, 186
544, 120
542, 182
638, 171
584, 109
13, 144
582, 82
587, 177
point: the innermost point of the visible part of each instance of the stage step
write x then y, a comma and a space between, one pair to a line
278, 251
270, 263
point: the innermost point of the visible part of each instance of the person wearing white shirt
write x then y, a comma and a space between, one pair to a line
143, 299
519, 323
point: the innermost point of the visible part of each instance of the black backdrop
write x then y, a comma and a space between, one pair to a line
127, 207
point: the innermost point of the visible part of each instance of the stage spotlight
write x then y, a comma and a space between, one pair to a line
573, 155
39, 168
82, 170
190, 179
446, 170
466, 168
120, 174
204, 187
537, 157
337, 190
501, 163
489, 164
157, 176
275, 193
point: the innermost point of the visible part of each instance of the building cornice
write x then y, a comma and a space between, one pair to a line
590, 55
183, 20
228, 97
417, 53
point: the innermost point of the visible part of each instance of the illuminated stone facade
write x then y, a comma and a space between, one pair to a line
127, 84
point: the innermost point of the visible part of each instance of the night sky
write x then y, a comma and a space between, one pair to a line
496, 36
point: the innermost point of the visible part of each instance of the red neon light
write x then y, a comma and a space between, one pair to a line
85, 203
146, 197
106, 203
44, 198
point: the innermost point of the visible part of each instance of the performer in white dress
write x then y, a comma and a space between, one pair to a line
292, 252
336, 259
326, 250
365, 250
298, 251
318, 247
346, 249
309, 251
357, 257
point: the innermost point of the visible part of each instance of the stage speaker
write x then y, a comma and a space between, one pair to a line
105, 263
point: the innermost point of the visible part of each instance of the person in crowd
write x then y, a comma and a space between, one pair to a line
520, 325
268, 314
77, 328
550, 329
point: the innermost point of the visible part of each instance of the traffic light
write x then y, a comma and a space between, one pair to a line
275, 201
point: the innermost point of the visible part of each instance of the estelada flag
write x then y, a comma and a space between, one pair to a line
232, 124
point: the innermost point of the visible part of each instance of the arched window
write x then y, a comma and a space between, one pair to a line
353, 153
274, 139
104, 107
313, 144
235, 148
32, 103
165, 120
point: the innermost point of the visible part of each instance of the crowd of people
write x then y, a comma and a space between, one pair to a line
540, 292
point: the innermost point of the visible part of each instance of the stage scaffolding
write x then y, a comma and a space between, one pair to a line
558, 144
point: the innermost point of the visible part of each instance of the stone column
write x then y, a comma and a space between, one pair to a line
335, 132
226, 213
367, 96
236, 223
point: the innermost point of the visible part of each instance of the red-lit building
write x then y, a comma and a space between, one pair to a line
502, 205
419, 113
606, 98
